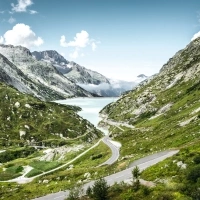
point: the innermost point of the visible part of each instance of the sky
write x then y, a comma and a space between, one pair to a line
117, 38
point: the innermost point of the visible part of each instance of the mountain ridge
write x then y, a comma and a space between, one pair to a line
90, 80
164, 107
43, 76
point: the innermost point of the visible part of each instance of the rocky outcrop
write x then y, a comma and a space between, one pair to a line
91, 81
43, 78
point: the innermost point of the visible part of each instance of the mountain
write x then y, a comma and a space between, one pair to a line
11, 75
71, 70
161, 112
80, 74
46, 82
54, 58
26, 120
91, 81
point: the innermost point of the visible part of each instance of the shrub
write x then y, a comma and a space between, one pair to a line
194, 174
197, 159
96, 157
100, 189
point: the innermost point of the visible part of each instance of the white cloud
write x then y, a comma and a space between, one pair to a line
80, 40
21, 6
2, 12
92, 87
94, 46
22, 34
75, 54
63, 41
1, 40
195, 36
62, 54
32, 12
11, 20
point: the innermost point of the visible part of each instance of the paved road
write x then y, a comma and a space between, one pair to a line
23, 179
125, 175
111, 160
114, 149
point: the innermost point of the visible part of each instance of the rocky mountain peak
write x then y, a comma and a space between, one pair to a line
141, 76
53, 57
41, 78
14, 50
50, 55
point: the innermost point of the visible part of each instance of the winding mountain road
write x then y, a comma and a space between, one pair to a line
125, 175
114, 149
115, 155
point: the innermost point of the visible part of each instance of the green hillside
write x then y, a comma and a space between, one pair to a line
162, 113
25, 120
165, 109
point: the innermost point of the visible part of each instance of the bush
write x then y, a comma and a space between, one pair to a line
75, 192
96, 157
194, 174
197, 159
100, 190
165, 196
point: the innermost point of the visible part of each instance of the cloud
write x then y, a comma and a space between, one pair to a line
62, 41
1, 40
195, 36
75, 54
2, 12
32, 12
22, 34
92, 87
80, 40
11, 20
21, 6
62, 54
94, 46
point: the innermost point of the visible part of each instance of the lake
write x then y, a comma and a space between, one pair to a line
90, 107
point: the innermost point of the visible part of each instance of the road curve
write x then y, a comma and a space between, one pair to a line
111, 160
125, 175
114, 149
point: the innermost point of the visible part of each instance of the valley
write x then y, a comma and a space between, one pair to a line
50, 139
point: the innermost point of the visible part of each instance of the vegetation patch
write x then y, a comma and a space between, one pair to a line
44, 165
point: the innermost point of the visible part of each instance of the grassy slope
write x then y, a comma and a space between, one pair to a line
43, 122
62, 179
163, 132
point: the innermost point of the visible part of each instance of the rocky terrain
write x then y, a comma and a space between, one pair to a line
42, 78
91, 81
165, 107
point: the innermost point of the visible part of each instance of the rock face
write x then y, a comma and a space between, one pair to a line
43, 78
91, 81
161, 104
54, 58
11, 75
79, 74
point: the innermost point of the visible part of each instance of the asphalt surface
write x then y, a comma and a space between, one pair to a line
125, 175
114, 149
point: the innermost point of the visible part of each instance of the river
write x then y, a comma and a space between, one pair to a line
90, 107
